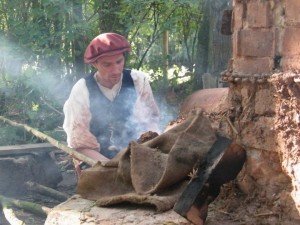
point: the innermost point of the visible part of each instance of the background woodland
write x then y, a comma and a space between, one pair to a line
42, 43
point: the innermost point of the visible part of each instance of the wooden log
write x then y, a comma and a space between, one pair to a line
46, 191
11, 217
51, 140
26, 206
26, 149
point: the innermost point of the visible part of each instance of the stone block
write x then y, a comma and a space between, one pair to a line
292, 12
256, 43
76, 208
258, 14
253, 65
291, 41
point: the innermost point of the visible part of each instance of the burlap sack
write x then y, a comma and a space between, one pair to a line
154, 172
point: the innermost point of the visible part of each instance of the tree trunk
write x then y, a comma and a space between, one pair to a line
214, 49
202, 49
76, 49
109, 20
220, 47
166, 49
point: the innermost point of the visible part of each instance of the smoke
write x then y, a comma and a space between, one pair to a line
17, 64
168, 113
30, 93
21, 65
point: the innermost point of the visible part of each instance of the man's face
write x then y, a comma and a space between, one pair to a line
110, 69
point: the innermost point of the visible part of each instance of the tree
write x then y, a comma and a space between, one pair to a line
109, 19
44, 42
214, 48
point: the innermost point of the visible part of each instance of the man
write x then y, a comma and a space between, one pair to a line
110, 107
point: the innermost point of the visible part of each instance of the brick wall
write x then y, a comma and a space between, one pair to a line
266, 32
264, 83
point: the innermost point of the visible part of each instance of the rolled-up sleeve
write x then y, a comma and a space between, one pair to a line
77, 119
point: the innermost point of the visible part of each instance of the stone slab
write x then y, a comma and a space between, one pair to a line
77, 210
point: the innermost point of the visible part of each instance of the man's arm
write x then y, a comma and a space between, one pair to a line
77, 123
146, 110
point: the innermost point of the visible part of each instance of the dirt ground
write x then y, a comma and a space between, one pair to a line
232, 207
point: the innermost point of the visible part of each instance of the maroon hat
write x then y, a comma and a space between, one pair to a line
106, 44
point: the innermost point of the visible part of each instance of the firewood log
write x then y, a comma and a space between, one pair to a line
11, 217
26, 206
46, 191
51, 140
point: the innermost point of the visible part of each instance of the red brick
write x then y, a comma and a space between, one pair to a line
292, 8
288, 63
277, 41
238, 17
234, 44
253, 65
259, 43
258, 14
291, 41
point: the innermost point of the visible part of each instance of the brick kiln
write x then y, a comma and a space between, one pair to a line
264, 95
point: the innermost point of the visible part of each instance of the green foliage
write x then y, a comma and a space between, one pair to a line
26, 100
179, 78
149, 19
8, 135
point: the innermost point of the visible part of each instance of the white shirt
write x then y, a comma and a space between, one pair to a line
110, 93
78, 116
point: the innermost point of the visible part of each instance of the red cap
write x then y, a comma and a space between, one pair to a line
106, 44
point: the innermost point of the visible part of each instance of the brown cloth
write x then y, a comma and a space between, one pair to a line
155, 172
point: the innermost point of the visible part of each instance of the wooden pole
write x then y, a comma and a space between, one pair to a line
27, 206
46, 191
51, 140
